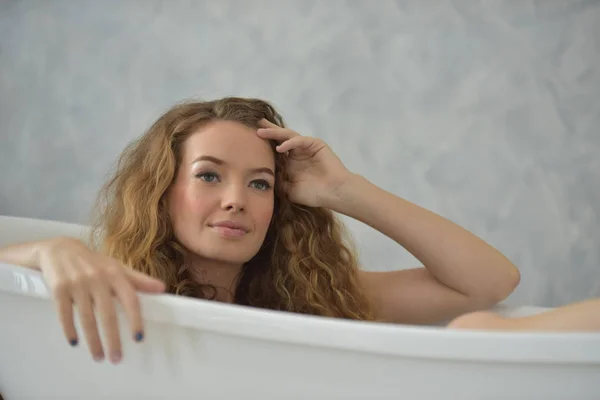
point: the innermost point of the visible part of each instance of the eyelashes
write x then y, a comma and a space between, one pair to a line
208, 176
263, 184
213, 177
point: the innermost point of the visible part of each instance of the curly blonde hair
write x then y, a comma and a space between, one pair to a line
306, 263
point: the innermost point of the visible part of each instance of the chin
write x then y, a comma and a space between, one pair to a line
223, 249
229, 253
228, 257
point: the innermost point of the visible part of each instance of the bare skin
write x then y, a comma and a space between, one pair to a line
79, 276
225, 177
451, 282
583, 316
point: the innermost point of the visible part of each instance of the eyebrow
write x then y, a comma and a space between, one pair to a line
218, 161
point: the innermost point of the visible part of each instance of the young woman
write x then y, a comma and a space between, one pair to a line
220, 200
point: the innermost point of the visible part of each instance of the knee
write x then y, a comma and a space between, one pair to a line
477, 320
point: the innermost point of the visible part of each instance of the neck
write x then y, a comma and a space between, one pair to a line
221, 275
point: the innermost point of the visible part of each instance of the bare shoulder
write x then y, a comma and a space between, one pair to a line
415, 296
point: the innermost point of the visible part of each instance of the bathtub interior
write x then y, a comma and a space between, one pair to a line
20, 229
212, 350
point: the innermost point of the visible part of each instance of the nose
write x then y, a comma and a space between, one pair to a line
234, 198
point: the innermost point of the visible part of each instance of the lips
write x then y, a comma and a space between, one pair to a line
230, 228
230, 225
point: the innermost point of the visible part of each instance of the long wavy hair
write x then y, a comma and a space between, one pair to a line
306, 263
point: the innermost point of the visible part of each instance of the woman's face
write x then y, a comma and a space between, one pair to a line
221, 202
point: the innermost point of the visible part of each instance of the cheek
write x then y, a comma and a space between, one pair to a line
263, 214
187, 203
195, 204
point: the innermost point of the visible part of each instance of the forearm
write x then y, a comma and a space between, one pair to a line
23, 254
453, 255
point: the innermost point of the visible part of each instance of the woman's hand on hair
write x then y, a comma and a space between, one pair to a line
76, 275
314, 170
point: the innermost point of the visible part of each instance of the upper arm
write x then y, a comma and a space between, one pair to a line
415, 296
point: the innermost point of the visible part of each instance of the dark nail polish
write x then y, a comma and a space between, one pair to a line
139, 336
73, 342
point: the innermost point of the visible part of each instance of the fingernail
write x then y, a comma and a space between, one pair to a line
139, 336
115, 357
99, 357
73, 342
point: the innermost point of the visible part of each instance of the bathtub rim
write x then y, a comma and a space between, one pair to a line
387, 339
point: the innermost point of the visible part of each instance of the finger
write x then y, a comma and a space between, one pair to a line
143, 282
265, 123
278, 134
83, 302
104, 304
126, 294
297, 142
64, 307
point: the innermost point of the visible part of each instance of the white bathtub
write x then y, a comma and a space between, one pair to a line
205, 350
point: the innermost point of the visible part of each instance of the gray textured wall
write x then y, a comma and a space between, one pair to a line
485, 112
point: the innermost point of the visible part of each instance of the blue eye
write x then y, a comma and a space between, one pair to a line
208, 176
261, 184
